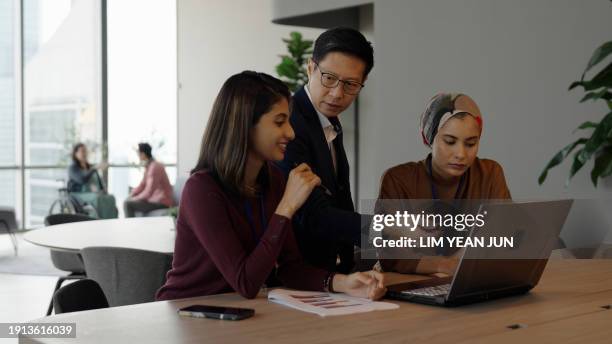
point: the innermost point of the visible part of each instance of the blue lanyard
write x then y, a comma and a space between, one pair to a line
249, 214
434, 193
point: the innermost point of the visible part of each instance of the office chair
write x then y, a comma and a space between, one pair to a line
81, 295
71, 262
8, 224
127, 276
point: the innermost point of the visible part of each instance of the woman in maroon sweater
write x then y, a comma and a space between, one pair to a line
234, 225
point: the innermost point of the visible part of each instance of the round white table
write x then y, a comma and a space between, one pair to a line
144, 233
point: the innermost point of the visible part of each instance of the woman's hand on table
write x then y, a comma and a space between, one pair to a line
368, 284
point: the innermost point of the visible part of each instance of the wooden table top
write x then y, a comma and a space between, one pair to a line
144, 233
565, 307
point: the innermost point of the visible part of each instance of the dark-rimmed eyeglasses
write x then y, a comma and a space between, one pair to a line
330, 80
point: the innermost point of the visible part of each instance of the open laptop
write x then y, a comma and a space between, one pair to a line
489, 273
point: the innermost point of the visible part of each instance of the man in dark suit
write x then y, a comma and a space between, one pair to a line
327, 227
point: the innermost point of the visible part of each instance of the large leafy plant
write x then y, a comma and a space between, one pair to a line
599, 144
292, 68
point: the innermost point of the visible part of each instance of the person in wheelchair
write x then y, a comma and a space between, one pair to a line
86, 185
83, 176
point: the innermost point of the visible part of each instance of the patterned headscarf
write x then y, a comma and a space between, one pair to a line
443, 107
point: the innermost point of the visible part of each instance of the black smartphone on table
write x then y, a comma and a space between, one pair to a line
216, 312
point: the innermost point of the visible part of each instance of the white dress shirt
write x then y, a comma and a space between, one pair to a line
328, 130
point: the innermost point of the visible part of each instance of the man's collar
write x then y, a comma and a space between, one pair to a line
322, 118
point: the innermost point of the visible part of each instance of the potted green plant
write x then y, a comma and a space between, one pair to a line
292, 68
599, 144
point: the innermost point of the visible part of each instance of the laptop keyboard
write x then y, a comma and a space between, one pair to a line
429, 291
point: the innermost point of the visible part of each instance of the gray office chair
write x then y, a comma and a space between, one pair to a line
82, 295
71, 262
127, 276
8, 224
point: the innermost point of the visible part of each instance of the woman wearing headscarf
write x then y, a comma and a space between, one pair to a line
451, 126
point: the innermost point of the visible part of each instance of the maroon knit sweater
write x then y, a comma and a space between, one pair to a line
216, 249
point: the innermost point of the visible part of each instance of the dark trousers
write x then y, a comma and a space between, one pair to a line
130, 207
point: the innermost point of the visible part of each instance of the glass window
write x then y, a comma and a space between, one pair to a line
142, 81
61, 63
61, 78
9, 116
9, 124
142, 100
41, 190
62, 93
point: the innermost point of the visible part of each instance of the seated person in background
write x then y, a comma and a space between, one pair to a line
154, 191
451, 126
86, 186
82, 176
234, 231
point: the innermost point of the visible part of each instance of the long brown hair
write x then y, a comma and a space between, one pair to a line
75, 149
241, 102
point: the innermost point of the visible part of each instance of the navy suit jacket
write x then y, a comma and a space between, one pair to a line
326, 227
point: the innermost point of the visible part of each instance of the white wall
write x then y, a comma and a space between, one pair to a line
515, 58
215, 40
